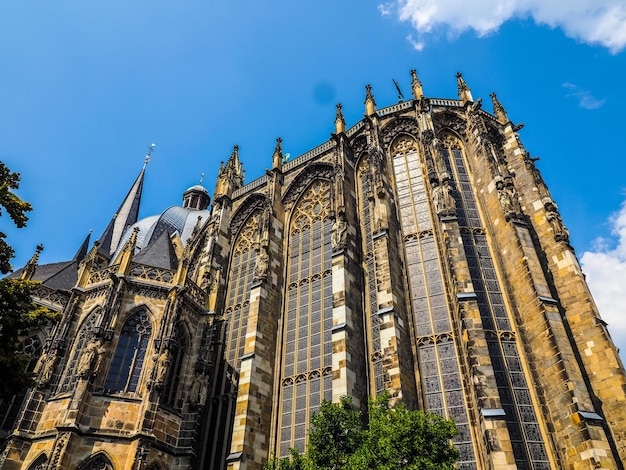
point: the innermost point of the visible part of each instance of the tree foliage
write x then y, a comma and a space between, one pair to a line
393, 438
15, 207
18, 312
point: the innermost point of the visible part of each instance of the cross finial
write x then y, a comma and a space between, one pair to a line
149, 155
201, 178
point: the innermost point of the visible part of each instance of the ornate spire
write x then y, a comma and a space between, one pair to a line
230, 176
277, 157
127, 214
498, 110
416, 86
340, 122
465, 94
370, 104
31, 266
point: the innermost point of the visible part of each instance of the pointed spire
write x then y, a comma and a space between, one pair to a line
277, 157
82, 251
340, 122
498, 110
416, 86
465, 94
370, 104
126, 215
230, 176
31, 266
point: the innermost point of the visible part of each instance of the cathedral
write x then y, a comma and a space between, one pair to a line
417, 252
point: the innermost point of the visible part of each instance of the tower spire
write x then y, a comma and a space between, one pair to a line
127, 214
465, 94
340, 122
416, 86
498, 110
370, 104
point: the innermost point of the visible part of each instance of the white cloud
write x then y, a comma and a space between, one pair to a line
600, 22
585, 98
605, 267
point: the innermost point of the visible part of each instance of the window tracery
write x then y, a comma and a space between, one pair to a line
307, 341
130, 352
240, 279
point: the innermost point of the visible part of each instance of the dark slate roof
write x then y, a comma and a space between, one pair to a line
159, 254
61, 275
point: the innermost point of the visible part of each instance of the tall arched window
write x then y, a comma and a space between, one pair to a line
307, 341
130, 353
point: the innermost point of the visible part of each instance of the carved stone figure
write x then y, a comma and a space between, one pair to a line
506, 196
205, 283
339, 232
261, 263
88, 359
442, 198
46, 365
561, 234
163, 363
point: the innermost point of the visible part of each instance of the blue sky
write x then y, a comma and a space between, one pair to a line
86, 86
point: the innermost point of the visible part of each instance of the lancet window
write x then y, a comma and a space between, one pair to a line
239, 282
307, 341
440, 372
524, 429
366, 216
130, 353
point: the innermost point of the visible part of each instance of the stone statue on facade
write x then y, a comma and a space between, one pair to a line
339, 233
507, 199
46, 366
162, 366
261, 263
88, 359
561, 234
443, 200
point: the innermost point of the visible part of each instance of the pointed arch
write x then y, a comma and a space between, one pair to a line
130, 353
251, 204
306, 348
317, 170
99, 461
39, 463
403, 125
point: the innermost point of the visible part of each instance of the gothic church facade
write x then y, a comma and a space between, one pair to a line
418, 252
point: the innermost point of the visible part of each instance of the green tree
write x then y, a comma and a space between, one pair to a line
17, 311
399, 438
17, 314
15, 207
394, 438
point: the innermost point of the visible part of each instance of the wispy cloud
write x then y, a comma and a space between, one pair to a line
585, 98
605, 267
600, 22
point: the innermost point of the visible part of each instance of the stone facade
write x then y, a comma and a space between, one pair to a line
418, 252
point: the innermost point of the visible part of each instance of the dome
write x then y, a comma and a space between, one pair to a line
171, 220
197, 187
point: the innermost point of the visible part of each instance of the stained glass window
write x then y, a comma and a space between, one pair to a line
307, 342
130, 352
